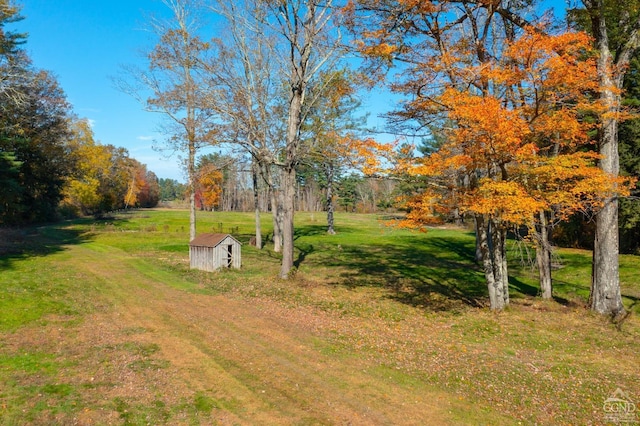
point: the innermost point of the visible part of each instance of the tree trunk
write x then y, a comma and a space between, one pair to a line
497, 236
276, 212
330, 221
504, 272
488, 251
543, 256
478, 255
289, 180
256, 205
605, 297
292, 158
191, 172
457, 217
330, 206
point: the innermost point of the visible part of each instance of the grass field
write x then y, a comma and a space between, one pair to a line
102, 322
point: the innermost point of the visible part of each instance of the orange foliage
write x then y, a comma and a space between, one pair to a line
366, 155
486, 130
136, 185
418, 6
511, 150
572, 182
508, 200
515, 113
209, 184
382, 50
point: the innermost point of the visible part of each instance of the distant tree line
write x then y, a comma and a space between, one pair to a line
50, 164
224, 183
104, 177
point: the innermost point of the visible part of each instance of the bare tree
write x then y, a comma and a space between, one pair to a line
273, 51
248, 93
174, 86
306, 43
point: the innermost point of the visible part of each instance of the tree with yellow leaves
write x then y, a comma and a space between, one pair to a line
92, 161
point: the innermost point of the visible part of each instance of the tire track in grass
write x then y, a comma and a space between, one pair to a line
260, 368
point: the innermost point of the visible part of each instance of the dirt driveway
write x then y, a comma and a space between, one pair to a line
150, 353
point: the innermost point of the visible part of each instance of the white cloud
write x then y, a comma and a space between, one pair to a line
145, 138
92, 122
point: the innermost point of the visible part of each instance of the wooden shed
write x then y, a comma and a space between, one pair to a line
210, 252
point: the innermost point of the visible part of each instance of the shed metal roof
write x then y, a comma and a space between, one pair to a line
209, 240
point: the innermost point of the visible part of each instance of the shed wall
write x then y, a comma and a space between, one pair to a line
203, 258
225, 259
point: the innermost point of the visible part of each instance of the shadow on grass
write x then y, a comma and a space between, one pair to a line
634, 306
309, 230
522, 288
302, 255
21, 243
316, 230
434, 273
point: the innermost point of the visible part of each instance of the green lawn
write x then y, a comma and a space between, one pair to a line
410, 306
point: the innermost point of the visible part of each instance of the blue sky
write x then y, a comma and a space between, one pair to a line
85, 42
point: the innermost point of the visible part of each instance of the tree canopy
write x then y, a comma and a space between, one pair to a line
49, 158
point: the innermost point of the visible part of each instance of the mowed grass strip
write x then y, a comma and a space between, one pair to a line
408, 308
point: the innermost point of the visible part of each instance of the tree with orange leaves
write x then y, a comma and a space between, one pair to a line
208, 185
143, 189
516, 103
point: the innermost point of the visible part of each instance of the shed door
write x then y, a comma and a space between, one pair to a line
229, 256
